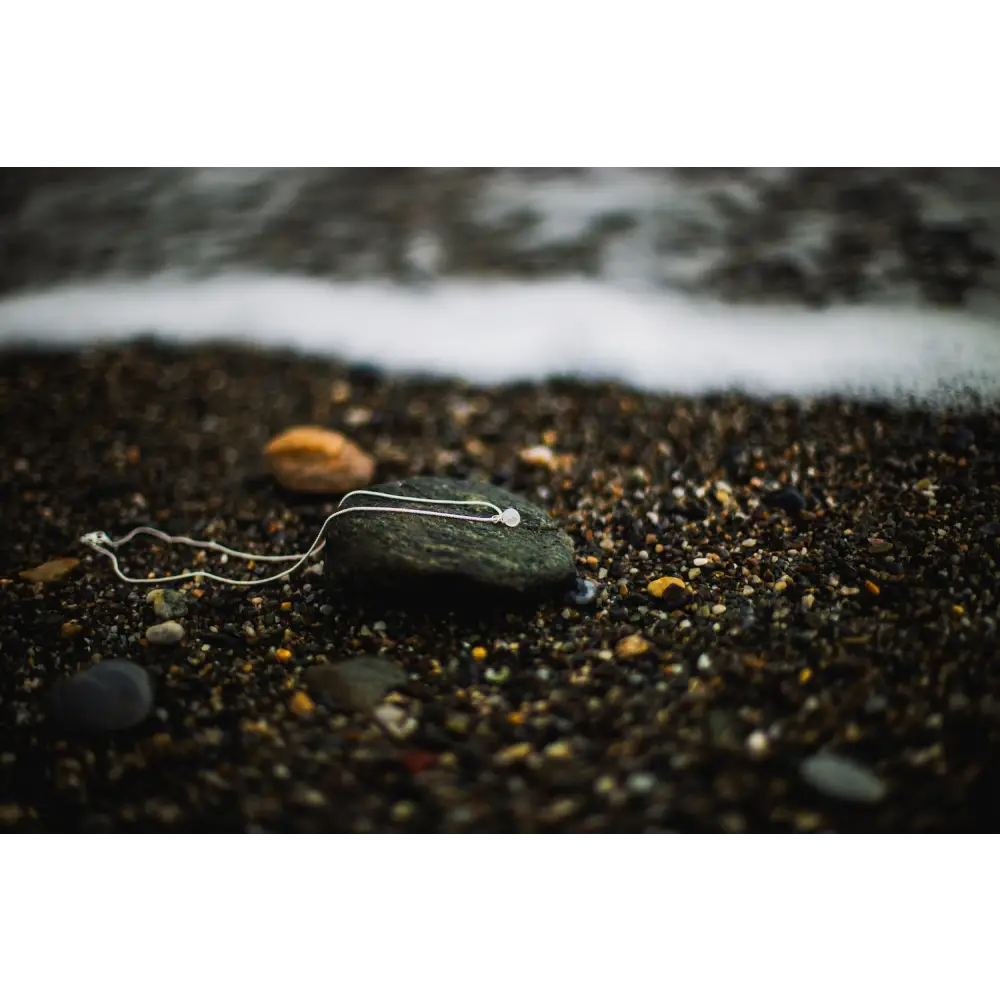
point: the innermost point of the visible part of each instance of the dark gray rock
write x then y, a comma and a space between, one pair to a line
788, 499
109, 696
430, 556
359, 683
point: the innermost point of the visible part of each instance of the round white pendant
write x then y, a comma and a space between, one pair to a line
510, 517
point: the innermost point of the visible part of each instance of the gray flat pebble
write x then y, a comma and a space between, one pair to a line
422, 555
109, 696
359, 683
842, 778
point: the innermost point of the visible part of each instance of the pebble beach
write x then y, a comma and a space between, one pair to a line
725, 611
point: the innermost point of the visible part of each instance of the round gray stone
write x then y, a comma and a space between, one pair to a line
400, 551
109, 696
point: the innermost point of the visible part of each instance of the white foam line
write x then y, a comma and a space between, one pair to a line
491, 333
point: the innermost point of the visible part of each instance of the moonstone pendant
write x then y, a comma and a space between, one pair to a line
510, 517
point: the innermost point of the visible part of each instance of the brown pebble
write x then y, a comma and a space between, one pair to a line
359, 683
631, 645
538, 454
317, 460
54, 569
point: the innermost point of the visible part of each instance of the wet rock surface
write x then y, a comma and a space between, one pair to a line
430, 556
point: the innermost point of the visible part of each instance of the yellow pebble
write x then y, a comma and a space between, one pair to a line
515, 752
804, 675
302, 704
659, 587
515, 718
479, 653
403, 811
872, 587
286, 605
283, 655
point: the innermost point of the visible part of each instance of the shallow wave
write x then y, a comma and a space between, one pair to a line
493, 332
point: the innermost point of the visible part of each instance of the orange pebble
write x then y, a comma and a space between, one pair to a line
302, 704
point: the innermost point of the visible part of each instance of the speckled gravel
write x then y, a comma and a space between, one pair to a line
855, 614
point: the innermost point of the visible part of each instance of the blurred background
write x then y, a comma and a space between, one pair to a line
773, 279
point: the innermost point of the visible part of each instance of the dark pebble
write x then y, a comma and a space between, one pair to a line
222, 639
960, 440
788, 499
433, 555
584, 593
109, 696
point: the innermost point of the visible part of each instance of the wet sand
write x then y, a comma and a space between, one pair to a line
864, 623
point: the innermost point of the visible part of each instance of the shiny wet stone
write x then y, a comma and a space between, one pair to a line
426, 556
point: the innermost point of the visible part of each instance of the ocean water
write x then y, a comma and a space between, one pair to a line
872, 284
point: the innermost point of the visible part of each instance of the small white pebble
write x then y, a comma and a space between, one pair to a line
718, 609
641, 782
389, 715
757, 742
748, 543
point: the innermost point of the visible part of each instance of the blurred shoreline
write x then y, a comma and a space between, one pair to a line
864, 283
